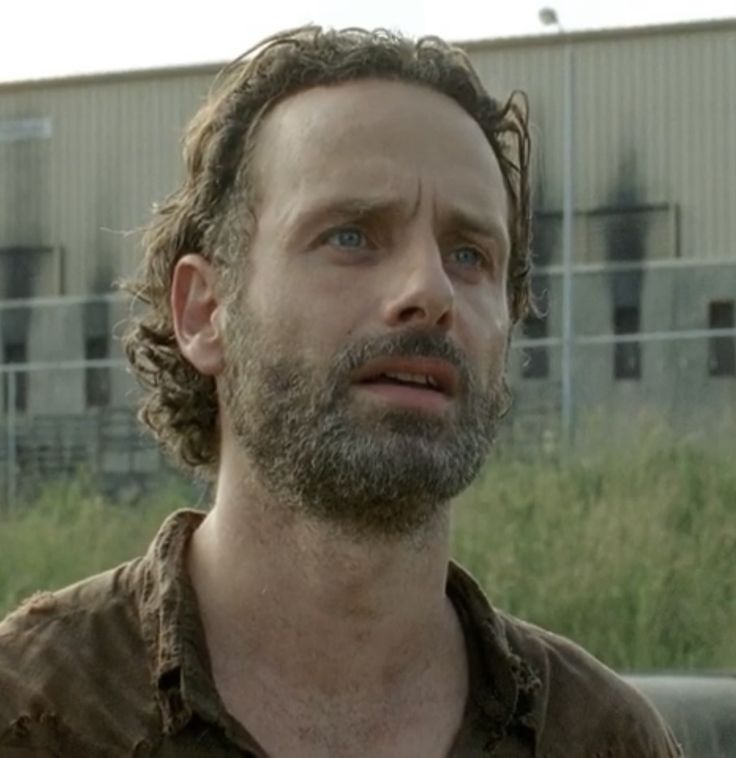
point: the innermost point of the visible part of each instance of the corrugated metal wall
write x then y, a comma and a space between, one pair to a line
113, 150
655, 123
655, 178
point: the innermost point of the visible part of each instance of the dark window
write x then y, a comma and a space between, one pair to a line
722, 350
15, 352
626, 355
96, 380
536, 362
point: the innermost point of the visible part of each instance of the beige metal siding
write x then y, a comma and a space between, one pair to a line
113, 151
665, 100
657, 111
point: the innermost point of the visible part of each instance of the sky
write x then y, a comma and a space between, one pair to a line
52, 38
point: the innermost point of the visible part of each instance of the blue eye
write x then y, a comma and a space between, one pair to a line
347, 237
468, 257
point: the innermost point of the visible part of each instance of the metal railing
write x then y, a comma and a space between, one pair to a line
675, 364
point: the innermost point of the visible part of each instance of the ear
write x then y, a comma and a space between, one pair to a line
195, 312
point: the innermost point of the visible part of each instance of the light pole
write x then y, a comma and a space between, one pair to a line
548, 16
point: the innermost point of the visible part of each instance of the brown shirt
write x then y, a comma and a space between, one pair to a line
117, 665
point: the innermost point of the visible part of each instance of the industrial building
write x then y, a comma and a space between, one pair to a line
653, 124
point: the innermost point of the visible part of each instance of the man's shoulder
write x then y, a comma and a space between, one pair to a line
66, 650
564, 664
52, 615
581, 701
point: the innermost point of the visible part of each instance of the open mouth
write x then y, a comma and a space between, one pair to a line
405, 379
425, 383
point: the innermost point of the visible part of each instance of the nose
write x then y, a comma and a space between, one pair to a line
421, 294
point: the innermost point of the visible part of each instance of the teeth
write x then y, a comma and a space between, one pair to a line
413, 378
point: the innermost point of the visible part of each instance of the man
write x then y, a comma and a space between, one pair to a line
331, 294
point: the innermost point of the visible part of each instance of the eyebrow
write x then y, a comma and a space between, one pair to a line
480, 225
355, 207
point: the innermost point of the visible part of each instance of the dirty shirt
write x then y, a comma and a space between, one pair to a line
117, 665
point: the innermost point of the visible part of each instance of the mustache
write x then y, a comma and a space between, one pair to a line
410, 344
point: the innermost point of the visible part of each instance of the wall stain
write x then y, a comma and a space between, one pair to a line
626, 226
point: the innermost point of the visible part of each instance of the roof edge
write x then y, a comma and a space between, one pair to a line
124, 75
554, 38
618, 32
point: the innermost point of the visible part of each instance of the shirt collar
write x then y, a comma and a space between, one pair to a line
502, 684
172, 628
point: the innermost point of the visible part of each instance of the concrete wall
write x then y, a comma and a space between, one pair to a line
675, 382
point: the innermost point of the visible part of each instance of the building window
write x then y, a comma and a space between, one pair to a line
536, 362
626, 355
15, 352
721, 350
96, 380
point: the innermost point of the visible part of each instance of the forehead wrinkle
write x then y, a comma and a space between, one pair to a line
414, 211
350, 164
350, 191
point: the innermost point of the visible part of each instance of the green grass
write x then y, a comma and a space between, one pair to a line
70, 532
631, 552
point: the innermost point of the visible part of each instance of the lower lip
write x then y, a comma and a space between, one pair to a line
408, 397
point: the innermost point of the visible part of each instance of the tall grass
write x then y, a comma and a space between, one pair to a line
631, 552
70, 532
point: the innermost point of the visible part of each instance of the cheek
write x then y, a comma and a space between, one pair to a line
310, 312
483, 329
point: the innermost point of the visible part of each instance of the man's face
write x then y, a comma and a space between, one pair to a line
365, 354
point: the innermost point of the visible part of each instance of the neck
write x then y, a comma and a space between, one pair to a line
296, 603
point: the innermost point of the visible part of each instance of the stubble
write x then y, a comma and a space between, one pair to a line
365, 469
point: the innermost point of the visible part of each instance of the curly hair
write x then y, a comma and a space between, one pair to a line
211, 213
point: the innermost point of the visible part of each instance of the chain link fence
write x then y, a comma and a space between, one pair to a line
104, 442
657, 341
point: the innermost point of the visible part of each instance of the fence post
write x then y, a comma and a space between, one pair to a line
568, 248
11, 440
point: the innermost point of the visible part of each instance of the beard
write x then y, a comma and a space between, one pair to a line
366, 469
